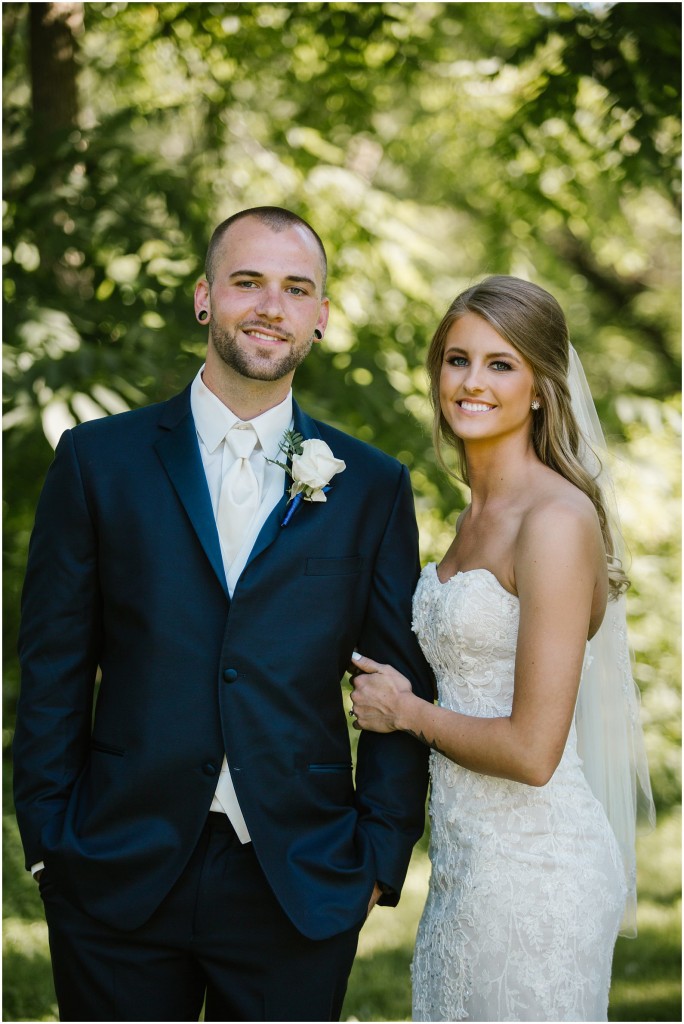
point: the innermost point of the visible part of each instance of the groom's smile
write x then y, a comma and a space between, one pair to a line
265, 335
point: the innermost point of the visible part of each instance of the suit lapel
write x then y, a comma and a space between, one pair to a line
272, 529
178, 450
179, 453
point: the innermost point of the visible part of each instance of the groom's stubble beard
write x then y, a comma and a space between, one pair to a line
251, 366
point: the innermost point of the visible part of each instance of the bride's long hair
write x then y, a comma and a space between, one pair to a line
530, 320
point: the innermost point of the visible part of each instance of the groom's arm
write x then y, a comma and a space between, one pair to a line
392, 769
58, 649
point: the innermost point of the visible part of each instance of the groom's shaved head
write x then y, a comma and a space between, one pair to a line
277, 219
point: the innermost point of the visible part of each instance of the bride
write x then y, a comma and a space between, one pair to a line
534, 790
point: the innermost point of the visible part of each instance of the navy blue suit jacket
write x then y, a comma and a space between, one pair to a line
125, 598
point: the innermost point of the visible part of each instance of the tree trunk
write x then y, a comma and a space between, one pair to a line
53, 30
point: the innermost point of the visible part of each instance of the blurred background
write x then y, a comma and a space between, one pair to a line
429, 144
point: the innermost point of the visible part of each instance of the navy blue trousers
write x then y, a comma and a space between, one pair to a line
220, 938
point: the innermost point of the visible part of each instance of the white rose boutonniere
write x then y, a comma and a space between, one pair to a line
312, 467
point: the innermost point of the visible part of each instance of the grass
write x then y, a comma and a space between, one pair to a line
646, 970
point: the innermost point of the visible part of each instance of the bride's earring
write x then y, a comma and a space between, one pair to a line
536, 404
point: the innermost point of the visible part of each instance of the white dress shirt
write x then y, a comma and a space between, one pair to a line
213, 420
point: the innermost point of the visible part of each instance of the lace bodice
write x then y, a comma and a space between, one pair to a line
468, 629
527, 888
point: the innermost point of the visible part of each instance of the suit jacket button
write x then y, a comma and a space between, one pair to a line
209, 768
229, 675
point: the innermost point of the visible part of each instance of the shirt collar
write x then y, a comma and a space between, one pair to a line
213, 419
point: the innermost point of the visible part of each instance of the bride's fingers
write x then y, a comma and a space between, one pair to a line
362, 664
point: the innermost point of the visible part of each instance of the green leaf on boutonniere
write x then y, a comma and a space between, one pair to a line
290, 445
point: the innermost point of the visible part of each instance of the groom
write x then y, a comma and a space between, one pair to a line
183, 772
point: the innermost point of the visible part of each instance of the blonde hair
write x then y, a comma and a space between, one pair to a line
530, 320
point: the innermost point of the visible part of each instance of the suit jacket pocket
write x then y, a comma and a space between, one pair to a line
329, 784
333, 566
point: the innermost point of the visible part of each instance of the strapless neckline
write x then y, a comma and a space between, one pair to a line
471, 572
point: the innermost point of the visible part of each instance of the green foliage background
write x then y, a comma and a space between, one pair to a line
429, 144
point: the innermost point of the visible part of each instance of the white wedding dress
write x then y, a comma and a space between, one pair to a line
527, 887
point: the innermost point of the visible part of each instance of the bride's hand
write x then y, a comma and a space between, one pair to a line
377, 694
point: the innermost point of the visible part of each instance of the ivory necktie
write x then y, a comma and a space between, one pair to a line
239, 497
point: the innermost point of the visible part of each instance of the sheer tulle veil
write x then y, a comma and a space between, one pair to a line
609, 732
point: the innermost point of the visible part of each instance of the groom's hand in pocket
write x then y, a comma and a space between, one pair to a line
375, 896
